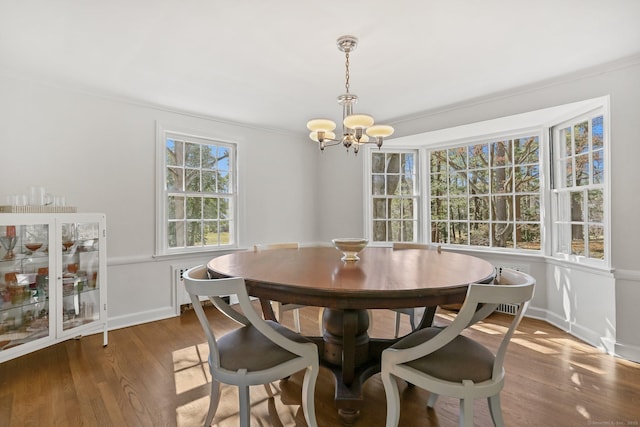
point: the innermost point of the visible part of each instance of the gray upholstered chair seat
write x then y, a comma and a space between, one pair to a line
247, 348
461, 359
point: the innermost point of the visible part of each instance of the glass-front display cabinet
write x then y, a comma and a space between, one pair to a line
52, 279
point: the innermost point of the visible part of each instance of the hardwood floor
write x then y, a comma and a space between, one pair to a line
156, 375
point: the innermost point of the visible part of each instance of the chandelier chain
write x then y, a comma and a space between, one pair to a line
346, 75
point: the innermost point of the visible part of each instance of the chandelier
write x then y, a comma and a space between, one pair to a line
356, 128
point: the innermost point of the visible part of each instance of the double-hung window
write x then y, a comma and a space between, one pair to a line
579, 187
197, 193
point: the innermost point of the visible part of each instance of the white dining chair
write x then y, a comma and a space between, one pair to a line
280, 308
412, 312
445, 362
258, 352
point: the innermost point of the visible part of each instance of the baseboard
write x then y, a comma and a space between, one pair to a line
139, 318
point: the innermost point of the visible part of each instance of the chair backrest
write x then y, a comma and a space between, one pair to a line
482, 300
197, 283
284, 245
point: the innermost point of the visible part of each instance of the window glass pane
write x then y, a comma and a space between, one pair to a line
393, 185
528, 236
526, 150
209, 181
210, 232
457, 159
581, 132
377, 162
459, 233
566, 149
458, 183
568, 167
438, 208
439, 232
192, 155
175, 234
209, 159
582, 169
176, 207
210, 209
194, 207
577, 239
595, 204
407, 231
502, 208
479, 181
502, 235
408, 209
479, 234
458, 208
528, 208
395, 229
379, 208
224, 154
596, 241
478, 156
380, 231
501, 180
377, 185
407, 184
223, 181
438, 161
194, 233
598, 167
597, 136
174, 179
393, 163
394, 207
479, 209
225, 232
527, 179
577, 206
224, 210
408, 165
501, 153
174, 153
438, 184
192, 180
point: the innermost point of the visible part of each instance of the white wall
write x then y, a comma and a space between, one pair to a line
599, 307
100, 154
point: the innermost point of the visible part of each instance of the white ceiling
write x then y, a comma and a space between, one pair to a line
276, 64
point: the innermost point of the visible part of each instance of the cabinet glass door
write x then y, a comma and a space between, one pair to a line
24, 284
80, 273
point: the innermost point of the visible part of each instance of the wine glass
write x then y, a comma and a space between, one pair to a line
35, 237
9, 243
68, 236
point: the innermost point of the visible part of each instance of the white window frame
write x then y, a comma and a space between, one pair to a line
162, 241
539, 122
556, 193
368, 196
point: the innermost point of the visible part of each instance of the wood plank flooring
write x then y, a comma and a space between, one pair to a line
156, 375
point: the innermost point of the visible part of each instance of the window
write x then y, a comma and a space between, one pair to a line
394, 196
487, 194
197, 209
579, 187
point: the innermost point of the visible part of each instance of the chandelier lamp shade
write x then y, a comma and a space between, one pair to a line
357, 129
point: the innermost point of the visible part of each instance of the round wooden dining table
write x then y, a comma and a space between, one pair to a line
382, 278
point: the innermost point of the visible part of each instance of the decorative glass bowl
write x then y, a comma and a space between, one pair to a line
350, 247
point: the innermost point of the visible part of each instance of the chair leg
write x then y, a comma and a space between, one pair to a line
495, 410
245, 406
308, 395
466, 412
397, 325
412, 321
214, 398
320, 313
432, 400
393, 399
